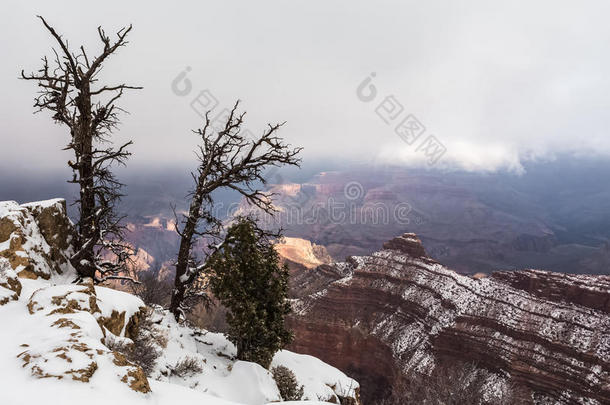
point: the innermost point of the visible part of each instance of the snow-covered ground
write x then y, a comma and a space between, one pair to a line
222, 373
46, 351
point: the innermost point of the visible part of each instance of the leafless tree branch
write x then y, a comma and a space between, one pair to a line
64, 84
227, 160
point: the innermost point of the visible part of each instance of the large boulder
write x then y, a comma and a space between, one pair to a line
56, 229
36, 238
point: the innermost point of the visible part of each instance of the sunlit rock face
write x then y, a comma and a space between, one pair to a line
398, 311
303, 252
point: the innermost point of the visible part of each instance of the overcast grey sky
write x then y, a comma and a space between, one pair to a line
495, 82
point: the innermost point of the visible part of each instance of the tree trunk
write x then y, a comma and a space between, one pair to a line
85, 264
184, 252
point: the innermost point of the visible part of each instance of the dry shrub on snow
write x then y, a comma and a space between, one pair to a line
142, 350
287, 383
186, 367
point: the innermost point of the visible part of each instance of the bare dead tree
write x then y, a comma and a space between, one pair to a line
66, 89
227, 160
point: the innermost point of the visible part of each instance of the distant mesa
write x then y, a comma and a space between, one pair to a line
407, 243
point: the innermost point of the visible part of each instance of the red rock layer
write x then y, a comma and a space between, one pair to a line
398, 311
587, 291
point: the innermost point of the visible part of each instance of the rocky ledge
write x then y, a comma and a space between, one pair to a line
395, 312
36, 238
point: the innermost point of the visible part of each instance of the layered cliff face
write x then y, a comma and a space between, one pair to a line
397, 312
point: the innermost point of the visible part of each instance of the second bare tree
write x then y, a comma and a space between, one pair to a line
227, 160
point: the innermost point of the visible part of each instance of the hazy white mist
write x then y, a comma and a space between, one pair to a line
496, 83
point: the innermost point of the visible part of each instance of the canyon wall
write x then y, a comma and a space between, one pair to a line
397, 311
